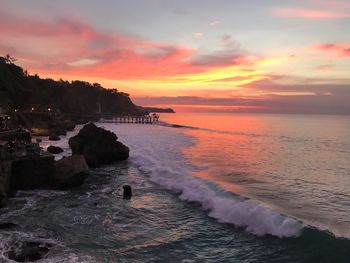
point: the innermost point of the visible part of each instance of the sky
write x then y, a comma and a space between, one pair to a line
276, 56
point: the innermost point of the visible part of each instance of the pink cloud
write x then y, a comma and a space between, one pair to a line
308, 13
341, 50
73, 47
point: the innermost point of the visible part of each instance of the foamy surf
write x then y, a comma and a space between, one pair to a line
157, 151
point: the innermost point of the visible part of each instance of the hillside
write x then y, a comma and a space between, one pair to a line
20, 90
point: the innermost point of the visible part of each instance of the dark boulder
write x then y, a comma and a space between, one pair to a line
32, 172
98, 146
28, 251
54, 149
70, 172
54, 137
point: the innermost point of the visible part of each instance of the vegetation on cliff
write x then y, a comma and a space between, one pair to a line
19, 89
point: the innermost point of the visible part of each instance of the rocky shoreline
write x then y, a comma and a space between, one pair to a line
91, 147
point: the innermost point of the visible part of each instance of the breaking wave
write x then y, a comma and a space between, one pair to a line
157, 151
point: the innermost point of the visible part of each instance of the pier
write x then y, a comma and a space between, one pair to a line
132, 119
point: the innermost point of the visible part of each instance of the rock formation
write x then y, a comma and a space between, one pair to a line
98, 146
70, 172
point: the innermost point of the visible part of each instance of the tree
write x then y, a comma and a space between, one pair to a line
9, 59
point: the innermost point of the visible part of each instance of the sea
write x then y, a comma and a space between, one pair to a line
206, 187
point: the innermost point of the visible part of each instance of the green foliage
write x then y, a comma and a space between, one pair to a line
18, 89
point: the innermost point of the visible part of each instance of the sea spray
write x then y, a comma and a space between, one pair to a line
157, 150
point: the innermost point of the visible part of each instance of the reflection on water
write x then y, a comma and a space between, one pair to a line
294, 163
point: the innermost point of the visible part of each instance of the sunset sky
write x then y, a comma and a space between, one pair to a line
288, 56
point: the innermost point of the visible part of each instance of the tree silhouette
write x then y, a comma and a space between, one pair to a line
9, 59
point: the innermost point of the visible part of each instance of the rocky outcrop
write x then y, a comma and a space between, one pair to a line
98, 146
28, 251
54, 149
70, 172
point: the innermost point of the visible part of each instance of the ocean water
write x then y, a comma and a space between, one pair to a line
207, 188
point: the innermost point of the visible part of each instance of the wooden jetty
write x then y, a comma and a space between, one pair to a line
132, 119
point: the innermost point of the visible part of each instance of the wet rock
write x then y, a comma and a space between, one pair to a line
28, 251
54, 137
70, 172
54, 149
8, 225
98, 146
127, 192
32, 173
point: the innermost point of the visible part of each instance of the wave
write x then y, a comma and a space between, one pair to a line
255, 217
157, 151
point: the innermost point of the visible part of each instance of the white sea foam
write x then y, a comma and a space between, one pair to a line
157, 150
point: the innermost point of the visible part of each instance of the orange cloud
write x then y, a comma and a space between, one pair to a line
74, 49
308, 13
341, 50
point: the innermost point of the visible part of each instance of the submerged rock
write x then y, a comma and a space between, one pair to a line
98, 146
70, 172
28, 251
54, 149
